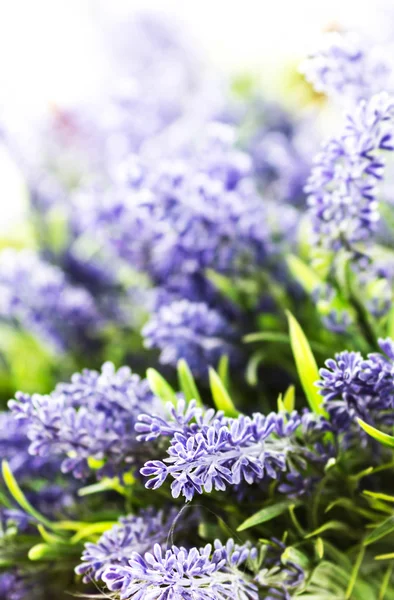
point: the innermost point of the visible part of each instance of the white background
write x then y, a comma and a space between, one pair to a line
48, 47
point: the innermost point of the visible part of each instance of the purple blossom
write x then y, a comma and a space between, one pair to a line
135, 533
37, 297
185, 418
92, 417
211, 573
342, 187
214, 453
53, 498
195, 211
13, 586
356, 387
348, 68
195, 332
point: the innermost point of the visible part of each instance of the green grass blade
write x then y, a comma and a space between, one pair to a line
306, 365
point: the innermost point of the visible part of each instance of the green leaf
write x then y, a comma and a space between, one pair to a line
50, 551
388, 556
252, 367
385, 582
305, 276
385, 528
49, 538
223, 370
220, 395
266, 514
20, 498
383, 438
329, 526
103, 486
378, 495
267, 336
306, 365
390, 323
160, 387
354, 573
187, 383
319, 547
91, 529
289, 399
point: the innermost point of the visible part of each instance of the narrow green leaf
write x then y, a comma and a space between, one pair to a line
354, 573
187, 383
267, 336
390, 323
319, 547
220, 395
20, 498
385, 528
252, 367
160, 387
388, 556
49, 538
50, 551
383, 438
305, 276
385, 582
103, 486
280, 405
92, 529
223, 370
289, 398
329, 526
266, 514
378, 496
306, 365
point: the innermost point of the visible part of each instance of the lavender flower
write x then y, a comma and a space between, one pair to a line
36, 296
356, 387
135, 533
193, 331
342, 186
195, 211
92, 417
52, 498
205, 574
348, 68
13, 586
215, 453
183, 418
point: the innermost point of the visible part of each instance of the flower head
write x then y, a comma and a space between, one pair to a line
37, 297
135, 533
193, 331
348, 68
211, 573
342, 187
92, 417
215, 453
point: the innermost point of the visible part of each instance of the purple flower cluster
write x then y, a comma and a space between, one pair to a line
199, 210
90, 418
201, 574
356, 387
214, 452
195, 332
134, 533
52, 498
13, 586
342, 187
37, 297
348, 68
